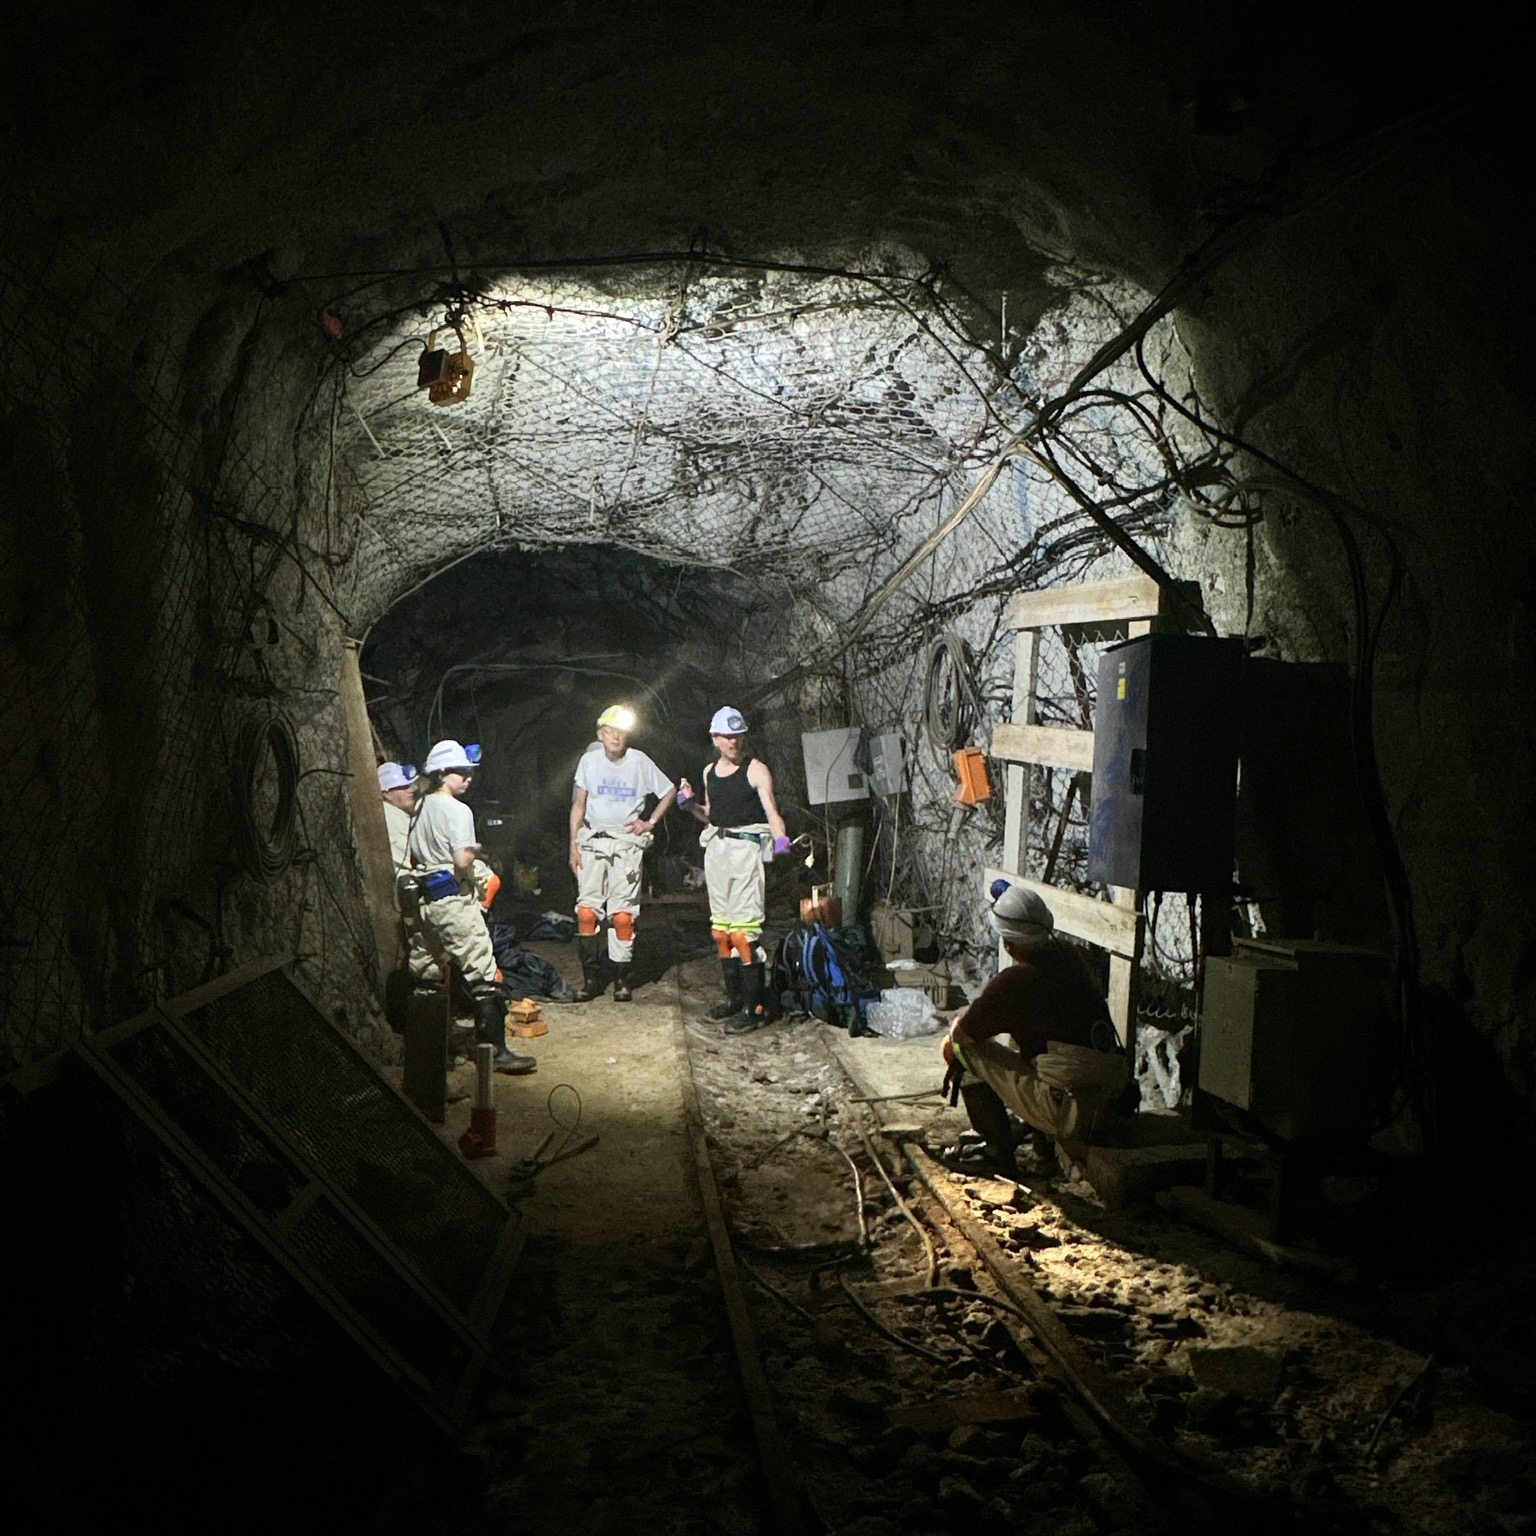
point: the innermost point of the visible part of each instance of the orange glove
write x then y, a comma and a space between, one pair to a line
488, 895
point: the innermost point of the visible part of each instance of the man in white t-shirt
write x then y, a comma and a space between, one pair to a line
609, 835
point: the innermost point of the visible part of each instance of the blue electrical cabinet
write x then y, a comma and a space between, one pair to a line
1165, 744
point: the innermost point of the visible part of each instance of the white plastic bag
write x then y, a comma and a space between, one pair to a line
901, 1012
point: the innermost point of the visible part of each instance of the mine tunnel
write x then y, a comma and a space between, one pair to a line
1072, 462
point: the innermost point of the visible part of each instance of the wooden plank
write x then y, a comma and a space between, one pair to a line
785, 1517
1044, 744
298, 1265
370, 832
1125, 971
1098, 1391
1026, 665
980, 1408
1122, 996
1117, 929
1125, 597
183, 1003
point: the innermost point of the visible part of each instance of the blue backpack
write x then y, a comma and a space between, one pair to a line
814, 972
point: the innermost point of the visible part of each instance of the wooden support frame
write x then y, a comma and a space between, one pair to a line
1125, 599
1089, 611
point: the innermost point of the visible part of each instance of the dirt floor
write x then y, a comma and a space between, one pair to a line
1397, 1399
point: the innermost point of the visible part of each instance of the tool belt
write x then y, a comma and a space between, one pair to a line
745, 837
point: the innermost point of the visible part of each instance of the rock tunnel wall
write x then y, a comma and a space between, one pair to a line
192, 537
166, 603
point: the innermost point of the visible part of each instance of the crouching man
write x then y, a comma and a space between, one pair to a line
1064, 1072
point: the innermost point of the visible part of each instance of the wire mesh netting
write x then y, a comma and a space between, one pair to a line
330, 1103
234, 488
165, 607
329, 1246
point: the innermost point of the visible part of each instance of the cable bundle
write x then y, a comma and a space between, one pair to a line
266, 850
951, 696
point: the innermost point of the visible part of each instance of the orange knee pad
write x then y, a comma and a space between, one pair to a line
722, 942
623, 925
586, 922
745, 949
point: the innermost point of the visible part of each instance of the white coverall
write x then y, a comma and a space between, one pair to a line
735, 877
452, 929
608, 881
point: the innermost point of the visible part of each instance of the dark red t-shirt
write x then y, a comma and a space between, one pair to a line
1049, 996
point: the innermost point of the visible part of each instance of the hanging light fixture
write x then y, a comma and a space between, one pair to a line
446, 375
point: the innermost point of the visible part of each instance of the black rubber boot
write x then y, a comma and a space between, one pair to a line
731, 970
491, 1029
621, 992
592, 980
990, 1117
751, 1016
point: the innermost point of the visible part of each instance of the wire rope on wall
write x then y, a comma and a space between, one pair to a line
266, 795
952, 711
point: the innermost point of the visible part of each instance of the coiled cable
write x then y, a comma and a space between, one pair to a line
951, 698
265, 749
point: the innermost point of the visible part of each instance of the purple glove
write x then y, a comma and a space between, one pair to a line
684, 795
782, 845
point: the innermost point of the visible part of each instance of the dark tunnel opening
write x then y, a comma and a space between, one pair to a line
520, 652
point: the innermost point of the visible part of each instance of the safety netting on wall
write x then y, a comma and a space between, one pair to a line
234, 489
172, 776
818, 431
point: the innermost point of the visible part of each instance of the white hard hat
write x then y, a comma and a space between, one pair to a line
1018, 913
620, 716
728, 722
396, 776
448, 757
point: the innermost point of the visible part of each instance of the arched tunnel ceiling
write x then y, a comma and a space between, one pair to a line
809, 425
220, 182
988, 137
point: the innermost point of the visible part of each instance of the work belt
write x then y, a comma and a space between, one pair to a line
745, 837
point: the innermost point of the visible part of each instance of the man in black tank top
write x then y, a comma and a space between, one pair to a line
743, 829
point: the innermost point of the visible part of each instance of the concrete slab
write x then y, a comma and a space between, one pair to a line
903, 1077
1150, 1152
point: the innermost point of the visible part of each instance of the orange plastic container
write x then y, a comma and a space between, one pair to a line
971, 770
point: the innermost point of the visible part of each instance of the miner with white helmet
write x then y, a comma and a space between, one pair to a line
397, 789
451, 930
1064, 1072
744, 830
609, 835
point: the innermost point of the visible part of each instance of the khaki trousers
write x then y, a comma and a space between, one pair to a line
452, 932
734, 875
1064, 1091
609, 880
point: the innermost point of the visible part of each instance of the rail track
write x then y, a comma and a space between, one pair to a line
860, 1358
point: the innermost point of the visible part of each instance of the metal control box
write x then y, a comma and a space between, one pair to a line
1165, 763
1291, 1032
887, 764
832, 770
